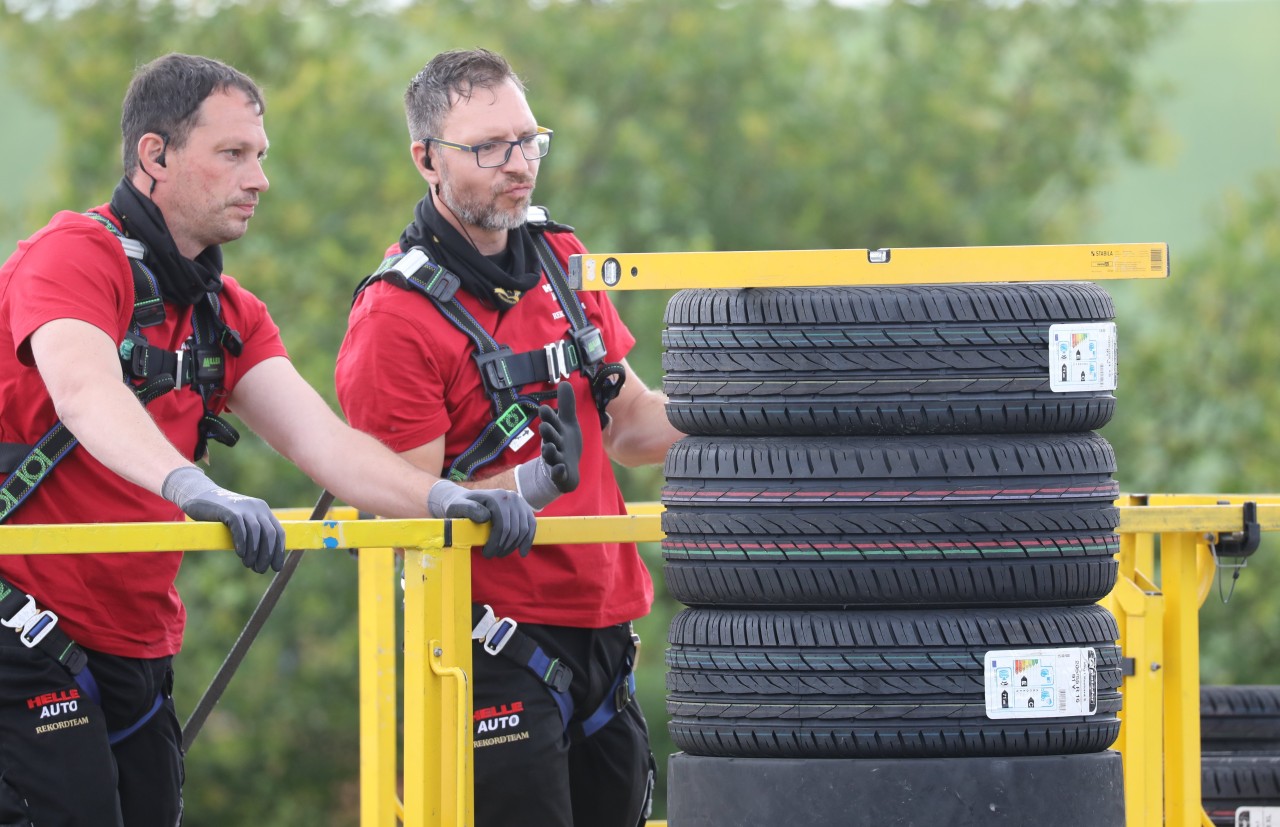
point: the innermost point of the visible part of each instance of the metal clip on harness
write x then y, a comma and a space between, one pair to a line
32, 624
494, 632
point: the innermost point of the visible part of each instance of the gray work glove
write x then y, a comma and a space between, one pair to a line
257, 534
554, 473
511, 521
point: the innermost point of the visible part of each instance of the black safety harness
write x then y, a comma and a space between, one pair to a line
151, 372
503, 372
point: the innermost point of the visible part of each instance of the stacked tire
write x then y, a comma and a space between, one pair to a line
880, 491
1240, 753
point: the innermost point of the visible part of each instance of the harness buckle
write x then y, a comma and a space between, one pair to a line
590, 344
559, 676
231, 341
31, 624
493, 369
206, 364
417, 266
557, 362
442, 284
135, 354
133, 248
149, 312
408, 265
625, 693
494, 632
512, 420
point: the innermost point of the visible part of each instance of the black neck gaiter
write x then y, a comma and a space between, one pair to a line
480, 275
182, 281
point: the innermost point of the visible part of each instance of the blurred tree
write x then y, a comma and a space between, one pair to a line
1217, 433
743, 124
1207, 333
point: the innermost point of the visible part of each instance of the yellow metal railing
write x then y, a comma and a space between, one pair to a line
1158, 618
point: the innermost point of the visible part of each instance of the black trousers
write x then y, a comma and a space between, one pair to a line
57, 768
529, 770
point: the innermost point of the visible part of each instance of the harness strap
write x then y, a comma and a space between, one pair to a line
11, 456
199, 365
502, 636
621, 693
192, 366
503, 373
38, 628
36, 463
40, 459
606, 377
120, 734
503, 369
513, 411
89, 686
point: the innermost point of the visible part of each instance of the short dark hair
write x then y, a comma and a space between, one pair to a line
165, 96
456, 73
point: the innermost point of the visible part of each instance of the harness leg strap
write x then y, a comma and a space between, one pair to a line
502, 636
620, 694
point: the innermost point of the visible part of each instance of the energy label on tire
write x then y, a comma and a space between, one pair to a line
1258, 817
1041, 683
1082, 357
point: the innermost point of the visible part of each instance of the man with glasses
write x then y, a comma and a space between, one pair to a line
465, 328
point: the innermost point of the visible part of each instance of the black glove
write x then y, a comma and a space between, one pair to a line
510, 518
258, 536
554, 473
562, 438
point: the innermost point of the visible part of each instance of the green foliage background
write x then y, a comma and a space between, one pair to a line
744, 124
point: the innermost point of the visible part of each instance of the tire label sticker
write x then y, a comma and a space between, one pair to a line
1082, 357
1041, 683
1258, 817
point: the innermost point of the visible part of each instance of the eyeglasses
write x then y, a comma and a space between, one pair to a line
496, 153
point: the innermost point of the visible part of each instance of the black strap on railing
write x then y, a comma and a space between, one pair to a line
250, 632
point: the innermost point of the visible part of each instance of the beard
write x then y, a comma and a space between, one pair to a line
481, 209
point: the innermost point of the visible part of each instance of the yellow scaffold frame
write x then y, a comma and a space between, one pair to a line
1159, 628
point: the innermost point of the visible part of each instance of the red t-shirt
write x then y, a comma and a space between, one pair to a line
122, 604
406, 375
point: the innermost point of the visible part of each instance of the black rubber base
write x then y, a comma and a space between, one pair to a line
1045, 791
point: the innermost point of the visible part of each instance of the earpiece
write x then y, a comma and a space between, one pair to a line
164, 147
159, 159
426, 156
